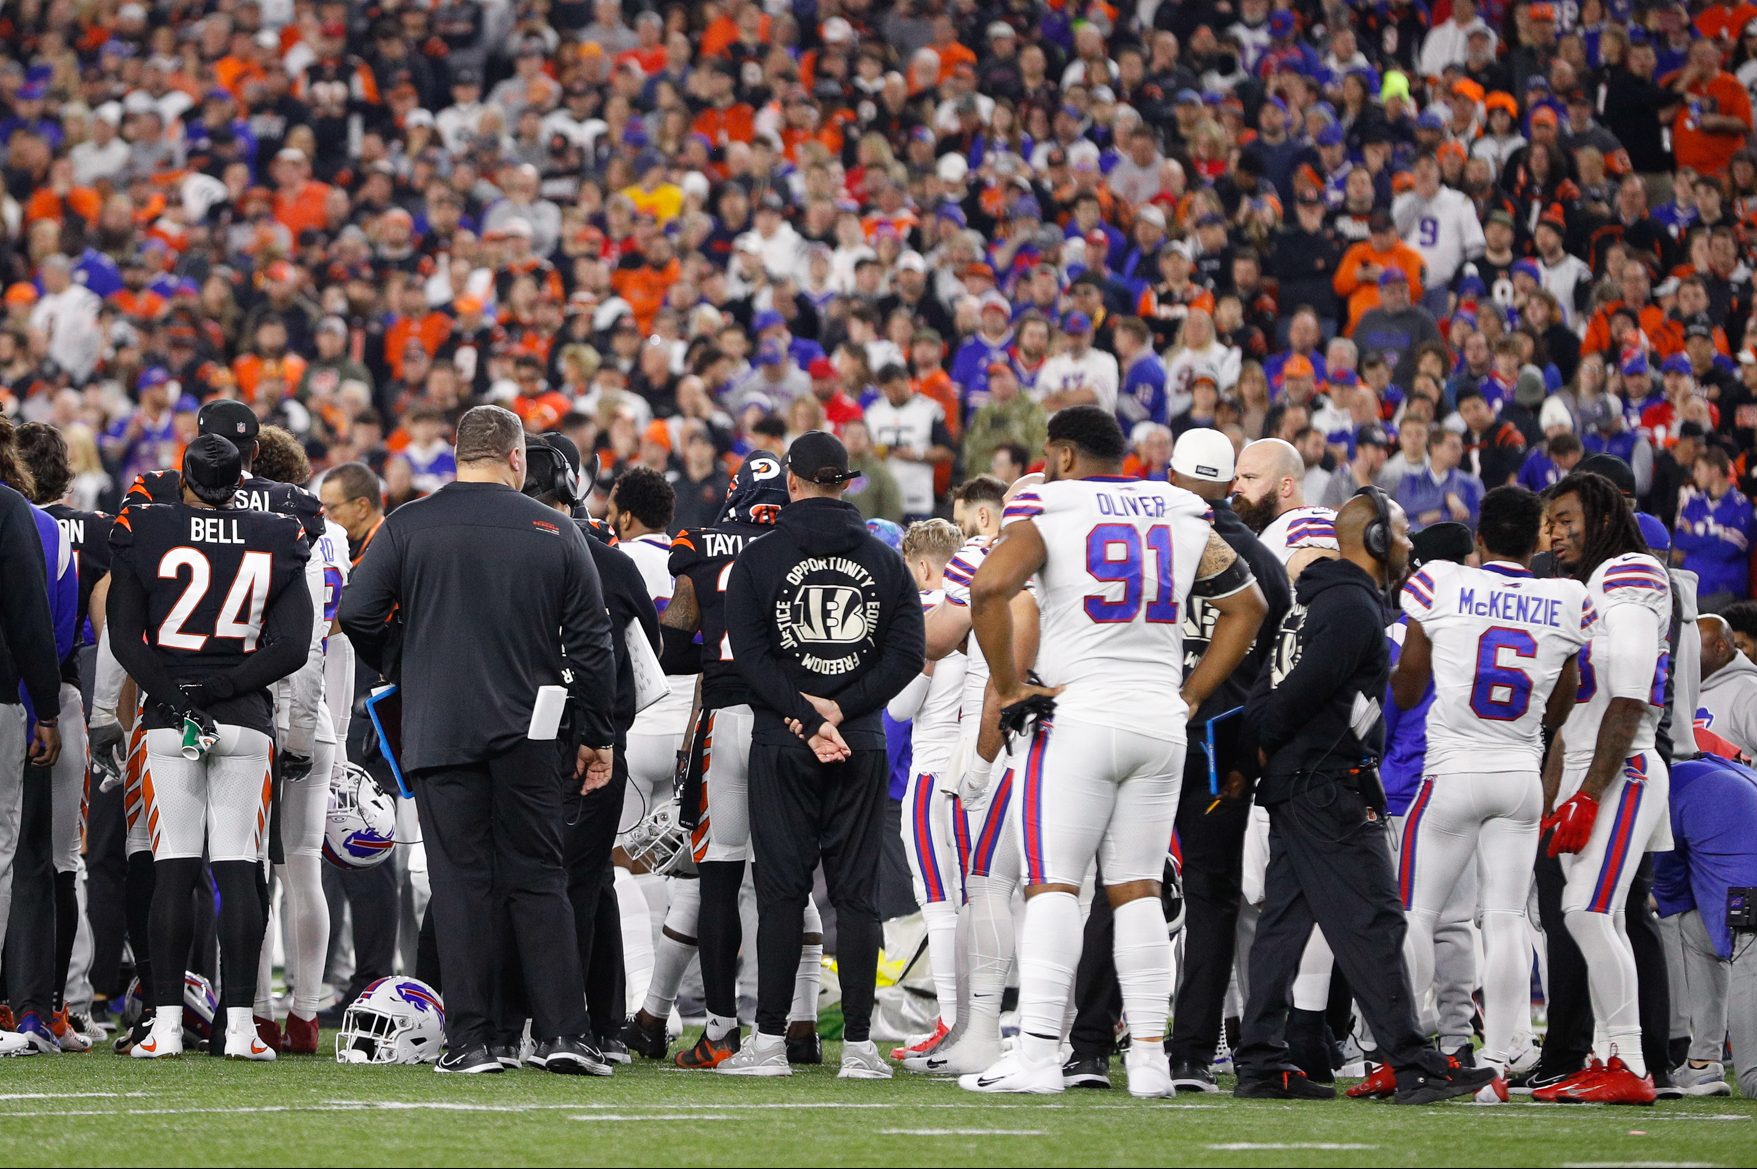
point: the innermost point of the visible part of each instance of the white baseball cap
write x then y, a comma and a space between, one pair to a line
1204, 454
951, 168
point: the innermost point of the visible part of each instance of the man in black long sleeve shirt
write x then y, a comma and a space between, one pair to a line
473, 599
825, 626
1319, 732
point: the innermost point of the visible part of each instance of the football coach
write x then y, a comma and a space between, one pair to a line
826, 627
474, 599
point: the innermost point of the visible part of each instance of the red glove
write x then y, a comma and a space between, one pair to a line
1572, 823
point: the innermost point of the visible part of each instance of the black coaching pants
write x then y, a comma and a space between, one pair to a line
493, 832
801, 812
1330, 866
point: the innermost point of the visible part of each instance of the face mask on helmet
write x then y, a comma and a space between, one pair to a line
394, 1021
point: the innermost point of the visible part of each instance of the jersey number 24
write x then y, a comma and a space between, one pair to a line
240, 613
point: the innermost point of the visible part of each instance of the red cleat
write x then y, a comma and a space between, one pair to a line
1566, 1091
923, 1046
1380, 1084
269, 1033
1615, 1084
301, 1036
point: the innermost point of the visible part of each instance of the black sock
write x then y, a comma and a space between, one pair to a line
139, 887
719, 934
66, 926
241, 927
172, 926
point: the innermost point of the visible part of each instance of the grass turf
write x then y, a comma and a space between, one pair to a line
102, 1109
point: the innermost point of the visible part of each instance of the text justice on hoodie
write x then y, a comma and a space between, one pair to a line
820, 606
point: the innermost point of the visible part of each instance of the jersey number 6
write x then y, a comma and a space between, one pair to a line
1502, 692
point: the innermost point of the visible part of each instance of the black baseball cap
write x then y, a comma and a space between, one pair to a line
1372, 434
819, 457
229, 419
1445, 541
212, 468
1612, 468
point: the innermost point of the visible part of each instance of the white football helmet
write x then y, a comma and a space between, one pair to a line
395, 1020
660, 842
200, 1005
361, 828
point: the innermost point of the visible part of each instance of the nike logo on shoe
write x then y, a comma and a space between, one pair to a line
988, 1081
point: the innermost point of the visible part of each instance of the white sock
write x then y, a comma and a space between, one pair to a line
672, 957
1506, 986
766, 1043
811, 967
1047, 958
656, 891
941, 918
239, 1021
719, 1026
991, 947
1143, 967
637, 934
1311, 986
1418, 955
265, 968
1610, 975
168, 1021
307, 912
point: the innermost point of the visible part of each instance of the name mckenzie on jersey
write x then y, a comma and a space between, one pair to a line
828, 603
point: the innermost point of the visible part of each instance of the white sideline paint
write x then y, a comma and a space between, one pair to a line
1254, 1146
961, 1132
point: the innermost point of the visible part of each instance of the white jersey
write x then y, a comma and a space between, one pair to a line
1093, 370
959, 573
1122, 556
1629, 608
1501, 638
338, 651
1444, 229
1303, 527
651, 554
936, 729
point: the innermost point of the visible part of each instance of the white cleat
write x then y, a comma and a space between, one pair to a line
1149, 1071
861, 1061
962, 1053
1014, 1075
158, 1045
246, 1045
754, 1059
12, 1043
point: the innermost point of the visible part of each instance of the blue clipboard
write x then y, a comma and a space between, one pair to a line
1207, 748
387, 721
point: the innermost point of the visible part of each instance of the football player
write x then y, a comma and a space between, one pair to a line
1499, 646
307, 731
934, 834
1116, 560
208, 610
640, 510
1606, 757
44, 452
714, 799
1269, 496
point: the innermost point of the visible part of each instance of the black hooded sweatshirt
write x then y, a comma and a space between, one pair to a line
820, 606
1303, 703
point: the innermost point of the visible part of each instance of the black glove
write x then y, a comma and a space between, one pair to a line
1022, 716
106, 741
294, 767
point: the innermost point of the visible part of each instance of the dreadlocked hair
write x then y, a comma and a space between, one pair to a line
1611, 529
13, 471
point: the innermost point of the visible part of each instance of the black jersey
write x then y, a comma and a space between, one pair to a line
254, 493
88, 534
705, 555
194, 595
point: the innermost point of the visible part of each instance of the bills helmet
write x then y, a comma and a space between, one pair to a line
395, 1020
658, 842
200, 1005
361, 828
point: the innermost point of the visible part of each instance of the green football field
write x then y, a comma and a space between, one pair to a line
102, 1109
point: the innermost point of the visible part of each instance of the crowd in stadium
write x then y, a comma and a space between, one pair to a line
1438, 247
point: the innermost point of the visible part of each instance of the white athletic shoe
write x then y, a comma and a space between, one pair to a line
756, 1059
1708, 1081
1523, 1062
1149, 1071
861, 1061
160, 1044
959, 1054
12, 1043
242, 1044
1013, 1074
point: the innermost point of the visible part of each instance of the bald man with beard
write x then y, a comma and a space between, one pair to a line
1269, 496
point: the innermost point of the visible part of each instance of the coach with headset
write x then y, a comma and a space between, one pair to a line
480, 701
1316, 711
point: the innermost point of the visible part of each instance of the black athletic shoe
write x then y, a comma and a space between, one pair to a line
1415, 1087
646, 1036
506, 1055
805, 1049
1525, 1083
1086, 1071
1190, 1076
472, 1060
613, 1049
1664, 1087
1282, 1086
1464, 1055
569, 1055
